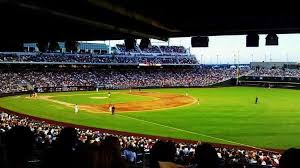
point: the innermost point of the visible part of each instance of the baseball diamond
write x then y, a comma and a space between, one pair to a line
225, 115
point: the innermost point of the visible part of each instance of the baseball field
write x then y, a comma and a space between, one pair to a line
221, 115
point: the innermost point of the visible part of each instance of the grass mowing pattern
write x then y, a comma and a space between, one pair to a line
226, 113
91, 98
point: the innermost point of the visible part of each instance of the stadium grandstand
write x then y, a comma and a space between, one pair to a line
69, 99
273, 74
97, 53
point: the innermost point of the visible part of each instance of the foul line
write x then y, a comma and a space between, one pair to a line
196, 133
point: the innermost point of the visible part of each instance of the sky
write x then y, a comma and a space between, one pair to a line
232, 49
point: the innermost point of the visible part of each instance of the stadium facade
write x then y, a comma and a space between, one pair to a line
86, 47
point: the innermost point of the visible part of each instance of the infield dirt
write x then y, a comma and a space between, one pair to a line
159, 101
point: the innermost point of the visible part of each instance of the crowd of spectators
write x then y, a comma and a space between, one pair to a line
114, 78
168, 60
151, 49
276, 73
185, 60
148, 60
127, 60
122, 49
27, 141
93, 58
12, 82
173, 49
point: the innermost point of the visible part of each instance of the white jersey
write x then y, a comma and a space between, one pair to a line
76, 109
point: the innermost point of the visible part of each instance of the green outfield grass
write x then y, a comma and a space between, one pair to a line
91, 98
224, 115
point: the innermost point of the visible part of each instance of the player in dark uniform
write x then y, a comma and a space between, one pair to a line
256, 100
113, 110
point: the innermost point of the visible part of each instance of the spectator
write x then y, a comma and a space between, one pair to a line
64, 152
19, 145
206, 156
130, 154
290, 158
162, 155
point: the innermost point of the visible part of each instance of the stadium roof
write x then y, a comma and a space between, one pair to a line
31, 20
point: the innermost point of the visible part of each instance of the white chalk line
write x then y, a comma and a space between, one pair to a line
196, 133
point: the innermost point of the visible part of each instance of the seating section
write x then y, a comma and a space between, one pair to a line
151, 49
116, 78
38, 144
276, 73
173, 49
156, 58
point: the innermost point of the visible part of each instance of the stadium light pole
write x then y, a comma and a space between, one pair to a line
234, 59
237, 68
265, 57
287, 60
238, 57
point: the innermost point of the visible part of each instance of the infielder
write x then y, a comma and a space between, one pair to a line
76, 108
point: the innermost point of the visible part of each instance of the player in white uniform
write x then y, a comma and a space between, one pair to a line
76, 109
110, 107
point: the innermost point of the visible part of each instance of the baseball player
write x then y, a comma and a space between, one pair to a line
76, 108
